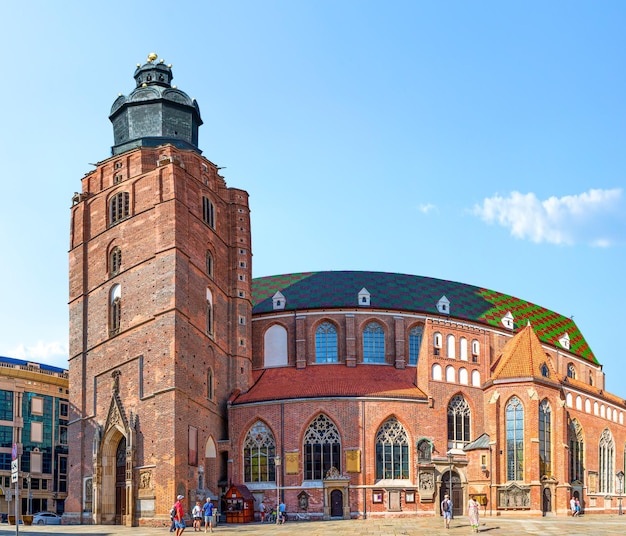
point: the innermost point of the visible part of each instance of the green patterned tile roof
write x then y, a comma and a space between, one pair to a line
410, 293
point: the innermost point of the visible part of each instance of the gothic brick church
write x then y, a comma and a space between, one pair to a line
344, 394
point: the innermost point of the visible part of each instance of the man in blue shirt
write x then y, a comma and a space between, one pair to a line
280, 520
207, 512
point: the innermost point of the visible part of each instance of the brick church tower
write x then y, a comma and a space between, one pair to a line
159, 299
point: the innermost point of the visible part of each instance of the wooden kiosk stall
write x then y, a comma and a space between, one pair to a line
239, 504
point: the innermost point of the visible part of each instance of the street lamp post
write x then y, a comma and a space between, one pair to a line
277, 469
450, 455
620, 489
30, 496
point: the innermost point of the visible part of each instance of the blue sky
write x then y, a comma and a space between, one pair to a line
481, 142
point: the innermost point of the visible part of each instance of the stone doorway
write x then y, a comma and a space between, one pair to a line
336, 503
455, 490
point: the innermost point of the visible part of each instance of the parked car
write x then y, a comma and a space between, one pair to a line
46, 518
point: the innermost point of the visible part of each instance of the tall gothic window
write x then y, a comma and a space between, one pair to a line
119, 207
326, 343
392, 451
115, 261
514, 439
415, 341
606, 462
545, 439
259, 450
373, 343
209, 264
210, 393
576, 452
208, 212
458, 422
115, 309
209, 312
322, 448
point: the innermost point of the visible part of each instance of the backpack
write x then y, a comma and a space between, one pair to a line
173, 512
446, 506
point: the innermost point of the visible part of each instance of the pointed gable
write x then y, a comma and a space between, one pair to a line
524, 357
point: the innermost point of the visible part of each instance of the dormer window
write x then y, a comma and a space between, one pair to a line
507, 321
443, 305
364, 297
278, 301
564, 341
545, 371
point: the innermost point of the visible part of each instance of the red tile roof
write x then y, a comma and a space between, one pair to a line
522, 357
320, 381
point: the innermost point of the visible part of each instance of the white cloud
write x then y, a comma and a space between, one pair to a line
425, 208
50, 353
593, 217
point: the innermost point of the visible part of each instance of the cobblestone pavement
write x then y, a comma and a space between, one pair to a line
596, 525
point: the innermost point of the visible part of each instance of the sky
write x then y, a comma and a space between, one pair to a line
479, 142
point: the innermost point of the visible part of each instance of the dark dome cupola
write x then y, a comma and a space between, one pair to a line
155, 112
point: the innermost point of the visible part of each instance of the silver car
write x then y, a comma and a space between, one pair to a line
46, 518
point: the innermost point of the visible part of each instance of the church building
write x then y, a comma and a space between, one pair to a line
345, 394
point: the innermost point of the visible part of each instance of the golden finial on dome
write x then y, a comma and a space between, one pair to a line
152, 56
161, 60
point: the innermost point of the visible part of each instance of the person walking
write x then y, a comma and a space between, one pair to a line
179, 518
196, 513
446, 511
473, 509
207, 511
282, 513
262, 511
577, 507
572, 506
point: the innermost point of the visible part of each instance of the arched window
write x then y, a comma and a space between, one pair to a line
579, 402
545, 439
322, 448
208, 212
437, 343
373, 343
606, 463
463, 376
275, 346
115, 261
463, 349
451, 346
259, 450
115, 310
424, 451
209, 384
209, 264
392, 451
576, 452
209, 313
571, 371
119, 207
514, 439
475, 350
436, 372
450, 374
458, 422
475, 378
415, 342
326, 343
545, 371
